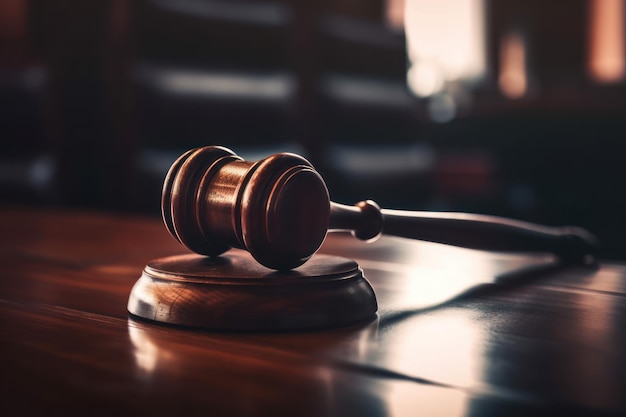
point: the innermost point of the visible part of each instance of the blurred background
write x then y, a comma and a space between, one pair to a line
514, 108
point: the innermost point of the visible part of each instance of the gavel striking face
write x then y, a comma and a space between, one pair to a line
279, 210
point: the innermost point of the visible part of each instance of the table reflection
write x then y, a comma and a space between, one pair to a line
445, 348
244, 379
483, 335
410, 399
411, 275
276, 379
147, 354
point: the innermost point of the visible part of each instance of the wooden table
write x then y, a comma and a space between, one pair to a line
459, 332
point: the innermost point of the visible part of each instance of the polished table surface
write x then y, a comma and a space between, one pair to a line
458, 333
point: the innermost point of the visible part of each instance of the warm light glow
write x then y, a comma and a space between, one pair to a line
606, 62
411, 399
445, 41
148, 355
447, 348
146, 352
424, 79
513, 78
394, 13
428, 278
446, 345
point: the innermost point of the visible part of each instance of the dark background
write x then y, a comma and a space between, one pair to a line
97, 98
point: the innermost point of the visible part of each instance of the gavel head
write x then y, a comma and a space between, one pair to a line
278, 208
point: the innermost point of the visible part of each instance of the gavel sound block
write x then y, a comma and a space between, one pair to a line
276, 213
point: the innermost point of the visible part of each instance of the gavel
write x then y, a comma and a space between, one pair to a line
279, 210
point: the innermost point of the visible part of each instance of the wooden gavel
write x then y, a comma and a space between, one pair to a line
279, 210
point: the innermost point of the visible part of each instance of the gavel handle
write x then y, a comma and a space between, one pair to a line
366, 220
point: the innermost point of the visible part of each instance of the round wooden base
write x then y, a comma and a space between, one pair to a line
234, 292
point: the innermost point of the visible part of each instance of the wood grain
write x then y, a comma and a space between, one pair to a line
234, 292
459, 332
